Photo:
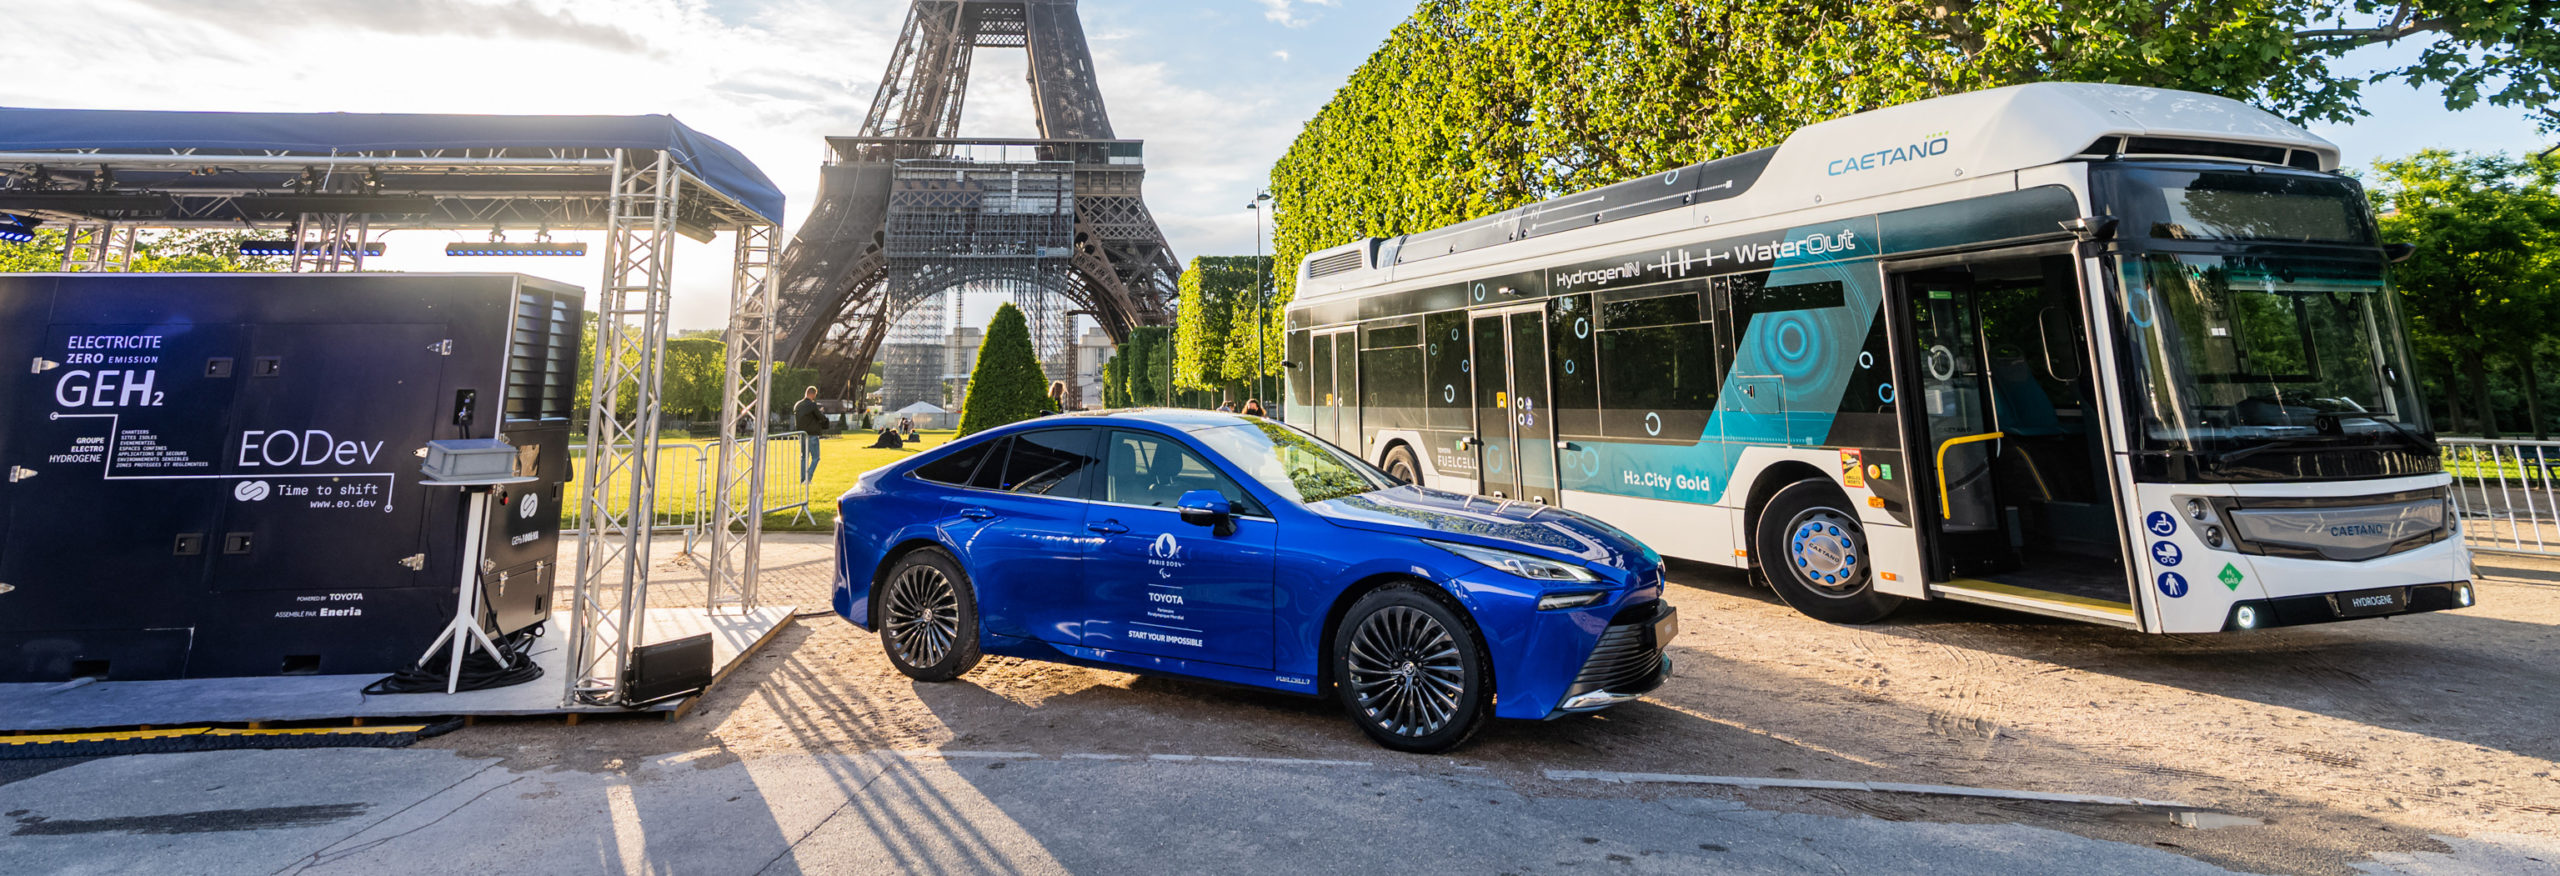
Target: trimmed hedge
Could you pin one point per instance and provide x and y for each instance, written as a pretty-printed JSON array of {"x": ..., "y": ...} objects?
[{"x": 1008, "y": 385}]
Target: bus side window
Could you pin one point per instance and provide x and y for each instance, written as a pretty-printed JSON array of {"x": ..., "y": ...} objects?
[
  {"x": 1391, "y": 375},
  {"x": 1301, "y": 407},
  {"x": 1741, "y": 300},
  {"x": 1573, "y": 332},
  {"x": 1658, "y": 379},
  {"x": 1446, "y": 384}
]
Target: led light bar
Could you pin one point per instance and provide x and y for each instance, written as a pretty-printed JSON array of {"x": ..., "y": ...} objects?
[
  {"x": 515, "y": 249},
  {"x": 16, "y": 230},
  {"x": 285, "y": 248}
]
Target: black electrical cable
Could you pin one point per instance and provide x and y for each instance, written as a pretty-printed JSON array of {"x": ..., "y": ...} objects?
[{"x": 480, "y": 671}]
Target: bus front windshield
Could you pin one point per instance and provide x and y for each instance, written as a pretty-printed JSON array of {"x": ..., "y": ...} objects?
[{"x": 2239, "y": 354}]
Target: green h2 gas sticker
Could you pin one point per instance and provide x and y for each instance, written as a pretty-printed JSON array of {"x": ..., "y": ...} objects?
[{"x": 2230, "y": 576}]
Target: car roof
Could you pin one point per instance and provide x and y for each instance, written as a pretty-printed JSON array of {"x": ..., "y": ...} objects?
[{"x": 1175, "y": 419}]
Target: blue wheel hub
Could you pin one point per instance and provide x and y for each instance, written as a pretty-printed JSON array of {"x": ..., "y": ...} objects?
[{"x": 1824, "y": 549}]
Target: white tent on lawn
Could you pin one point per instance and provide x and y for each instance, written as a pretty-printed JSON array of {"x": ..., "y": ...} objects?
[{"x": 927, "y": 416}]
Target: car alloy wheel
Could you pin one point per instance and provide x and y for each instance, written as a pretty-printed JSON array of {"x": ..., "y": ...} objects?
[
  {"x": 1406, "y": 672},
  {"x": 922, "y": 615}
]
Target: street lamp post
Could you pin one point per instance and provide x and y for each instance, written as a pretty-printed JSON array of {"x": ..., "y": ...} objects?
[{"x": 1261, "y": 309}]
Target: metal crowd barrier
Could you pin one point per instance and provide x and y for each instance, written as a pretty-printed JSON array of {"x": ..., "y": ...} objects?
[
  {"x": 684, "y": 493},
  {"x": 783, "y": 488},
  {"x": 684, "y": 487},
  {"x": 2507, "y": 494}
]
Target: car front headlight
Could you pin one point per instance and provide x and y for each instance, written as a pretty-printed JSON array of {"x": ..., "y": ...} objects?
[{"x": 1533, "y": 568}]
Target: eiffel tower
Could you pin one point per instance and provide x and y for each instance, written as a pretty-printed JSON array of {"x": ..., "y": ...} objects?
[{"x": 910, "y": 214}]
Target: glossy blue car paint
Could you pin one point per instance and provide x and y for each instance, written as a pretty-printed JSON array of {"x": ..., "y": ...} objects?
[{"x": 1067, "y": 579}]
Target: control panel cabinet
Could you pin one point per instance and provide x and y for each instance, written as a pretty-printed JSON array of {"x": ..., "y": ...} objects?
[{"x": 215, "y": 475}]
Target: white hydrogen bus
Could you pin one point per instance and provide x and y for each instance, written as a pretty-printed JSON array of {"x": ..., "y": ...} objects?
[{"x": 2115, "y": 354}]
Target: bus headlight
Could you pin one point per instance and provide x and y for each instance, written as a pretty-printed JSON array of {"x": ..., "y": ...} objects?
[
  {"x": 2212, "y": 535},
  {"x": 2196, "y": 509},
  {"x": 2246, "y": 617},
  {"x": 2462, "y": 595}
]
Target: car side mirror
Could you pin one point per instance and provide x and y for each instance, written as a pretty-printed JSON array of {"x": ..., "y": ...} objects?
[
  {"x": 2399, "y": 252},
  {"x": 1207, "y": 508}
]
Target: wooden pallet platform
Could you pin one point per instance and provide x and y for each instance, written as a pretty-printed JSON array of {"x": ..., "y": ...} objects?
[{"x": 47, "y": 708}]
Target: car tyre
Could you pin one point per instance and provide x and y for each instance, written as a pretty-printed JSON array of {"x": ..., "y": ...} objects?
[
  {"x": 929, "y": 617},
  {"x": 1401, "y": 465},
  {"x": 1814, "y": 553},
  {"x": 1412, "y": 671}
]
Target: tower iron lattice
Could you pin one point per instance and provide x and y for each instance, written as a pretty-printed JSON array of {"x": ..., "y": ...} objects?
[{"x": 912, "y": 216}]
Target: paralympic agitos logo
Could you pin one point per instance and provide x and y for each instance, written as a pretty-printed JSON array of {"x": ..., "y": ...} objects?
[{"x": 1928, "y": 146}]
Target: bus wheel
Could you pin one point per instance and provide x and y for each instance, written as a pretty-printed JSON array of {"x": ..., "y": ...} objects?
[
  {"x": 1814, "y": 554},
  {"x": 1401, "y": 465}
]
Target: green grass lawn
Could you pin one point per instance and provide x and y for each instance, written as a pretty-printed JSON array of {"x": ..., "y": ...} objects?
[{"x": 841, "y": 458}]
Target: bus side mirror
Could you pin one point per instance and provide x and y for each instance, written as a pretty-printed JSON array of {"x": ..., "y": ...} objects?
[
  {"x": 2089, "y": 228},
  {"x": 2399, "y": 252}
]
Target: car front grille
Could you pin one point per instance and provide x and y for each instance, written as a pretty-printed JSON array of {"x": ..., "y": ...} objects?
[{"x": 1627, "y": 659}]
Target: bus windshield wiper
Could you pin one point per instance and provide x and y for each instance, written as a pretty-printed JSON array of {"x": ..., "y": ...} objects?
[
  {"x": 2416, "y": 444},
  {"x": 2398, "y": 433},
  {"x": 2224, "y": 460}
]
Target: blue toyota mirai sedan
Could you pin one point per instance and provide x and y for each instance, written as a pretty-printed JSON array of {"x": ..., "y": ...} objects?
[{"x": 1241, "y": 550}]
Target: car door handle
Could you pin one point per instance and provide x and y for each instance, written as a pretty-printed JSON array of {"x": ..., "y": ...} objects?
[
  {"x": 1107, "y": 527},
  {"x": 977, "y": 514}
]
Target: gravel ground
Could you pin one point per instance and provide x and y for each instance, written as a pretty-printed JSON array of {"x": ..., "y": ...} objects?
[{"x": 2333, "y": 745}]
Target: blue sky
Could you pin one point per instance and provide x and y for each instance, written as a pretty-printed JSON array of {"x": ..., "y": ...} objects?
[{"x": 1217, "y": 87}]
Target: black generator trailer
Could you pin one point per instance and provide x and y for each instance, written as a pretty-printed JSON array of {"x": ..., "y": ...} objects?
[{"x": 217, "y": 475}]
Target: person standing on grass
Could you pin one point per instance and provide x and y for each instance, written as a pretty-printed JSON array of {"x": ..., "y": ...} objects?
[{"x": 811, "y": 420}]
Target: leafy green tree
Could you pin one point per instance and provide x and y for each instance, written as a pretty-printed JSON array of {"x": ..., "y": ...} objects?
[
  {"x": 1215, "y": 322},
  {"x": 2483, "y": 286},
  {"x": 1147, "y": 374},
  {"x": 33, "y": 257},
  {"x": 190, "y": 251},
  {"x": 1476, "y": 106},
  {"x": 1115, "y": 382},
  {"x": 1008, "y": 385},
  {"x": 691, "y": 375}
]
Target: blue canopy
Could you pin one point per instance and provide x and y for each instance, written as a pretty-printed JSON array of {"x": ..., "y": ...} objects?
[{"x": 715, "y": 163}]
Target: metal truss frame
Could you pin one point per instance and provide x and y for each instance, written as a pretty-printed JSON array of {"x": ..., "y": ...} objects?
[
  {"x": 328, "y": 243},
  {"x": 98, "y": 247},
  {"x": 737, "y": 535},
  {"x": 612, "y": 594},
  {"x": 642, "y": 198}
]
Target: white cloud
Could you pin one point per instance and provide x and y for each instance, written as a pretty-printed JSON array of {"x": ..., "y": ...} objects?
[
  {"x": 771, "y": 80},
  {"x": 1286, "y": 13},
  {"x": 1282, "y": 54},
  {"x": 771, "y": 77}
]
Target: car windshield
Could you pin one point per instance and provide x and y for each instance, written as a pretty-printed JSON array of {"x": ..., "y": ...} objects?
[
  {"x": 2237, "y": 351},
  {"x": 1293, "y": 463}
]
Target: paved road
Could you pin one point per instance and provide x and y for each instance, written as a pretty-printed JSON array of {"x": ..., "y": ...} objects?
[
  {"x": 375, "y": 811},
  {"x": 2427, "y": 745},
  {"x": 352, "y": 811}
]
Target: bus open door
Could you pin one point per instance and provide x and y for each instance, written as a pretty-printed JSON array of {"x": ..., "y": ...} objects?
[{"x": 2012, "y": 495}]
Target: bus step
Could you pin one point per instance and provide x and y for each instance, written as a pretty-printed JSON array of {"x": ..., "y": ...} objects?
[{"x": 2034, "y": 601}]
